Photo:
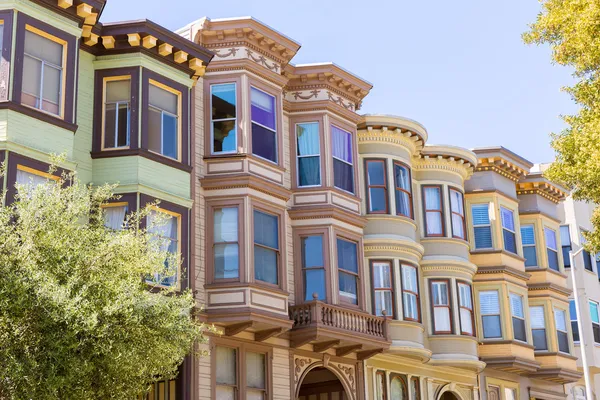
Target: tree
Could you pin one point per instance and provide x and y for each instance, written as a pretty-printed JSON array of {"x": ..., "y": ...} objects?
[
  {"x": 77, "y": 319},
  {"x": 572, "y": 29}
]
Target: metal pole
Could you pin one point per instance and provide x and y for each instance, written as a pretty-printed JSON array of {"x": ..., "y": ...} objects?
[{"x": 586, "y": 374}]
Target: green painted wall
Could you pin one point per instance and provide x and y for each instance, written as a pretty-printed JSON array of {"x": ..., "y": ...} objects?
[{"x": 85, "y": 116}]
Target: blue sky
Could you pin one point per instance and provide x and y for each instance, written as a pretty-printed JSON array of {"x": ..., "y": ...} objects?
[{"x": 458, "y": 67}]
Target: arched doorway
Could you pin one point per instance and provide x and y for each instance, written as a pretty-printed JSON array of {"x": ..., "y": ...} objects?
[
  {"x": 321, "y": 383},
  {"x": 449, "y": 396}
]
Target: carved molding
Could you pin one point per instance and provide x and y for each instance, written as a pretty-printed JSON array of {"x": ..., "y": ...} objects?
[
  {"x": 349, "y": 374},
  {"x": 262, "y": 60},
  {"x": 300, "y": 365},
  {"x": 231, "y": 52},
  {"x": 405, "y": 139},
  {"x": 448, "y": 164}
]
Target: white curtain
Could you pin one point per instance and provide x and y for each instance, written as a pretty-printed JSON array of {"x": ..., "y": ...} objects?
[
  {"x": 398, "y": 389},
  {"x": 226, "y": 373},
  {"x": 442, "y": 319},
  {"x": 381, "y": 389},
  {"x": 510, "y": 394},
  {"x": 308, "y": 139},
  {"x": 30, "y": 181},
  {"x": 536, "y": 315},
  {"x": 456, "y": 204},
  {"x": 410, "y": 306},
  {"x": 381, "y": 275},
  {"x": 255, "y": 370},
  {"x": 342, "y": 144},
  {"x": 165, "y": 232},
  {"x": 433, "y": 202},
  {"x": 409, "y": 278},
  {"x": 402, "y": 182},
  {"x": 466, "y": 322},
  {"x": 226, "y": 225},
  {"x": 114, "y": 217}
]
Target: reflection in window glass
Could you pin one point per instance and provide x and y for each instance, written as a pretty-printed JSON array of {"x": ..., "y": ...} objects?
[
  {"x": 313, "y": 267},
  {"x": 264, "y": 133},
  {"x": 117, "y": 113},
  {"x": 308, "y": 154},
  {"x": 226, "y": 246},
  {"x": 266, "y": 247},
  {"x": 163, "y": 122},
  {"x": 223, "y": 118},
  {"x": 347, "y": 258}
]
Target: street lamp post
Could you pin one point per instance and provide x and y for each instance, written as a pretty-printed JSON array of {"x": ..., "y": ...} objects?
[{"x": 586, "y": 374}]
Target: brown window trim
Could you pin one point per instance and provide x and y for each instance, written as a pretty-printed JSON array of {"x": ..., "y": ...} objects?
[
  {"x": 391, "y": 314},
  {"x": 377, "y": 375},
  {"x": 449, "y": 307},
  {"x": 368, "y": 186},
  {"x": 99, "y": 77},
  {"x": 402, "y": 265},
  {"x": 299, "y": 234},
  {"x": 69, "y": 67},
  {"x": 471, "y": 310},
  {"x": 147, "y": 76},
  {"x": 410, "y": 197},
  {"x": 185, "y": 233},
  {"x": 272, "y": 210},
  {"x": 440, "y": 210},
  {"x": 305, "y": 119},
  {"x": 463, "y": 217},
  {"x": 360, "y": 301},
  {"x": 241, "y": 349},
  {"x": 7, "y": 20}
]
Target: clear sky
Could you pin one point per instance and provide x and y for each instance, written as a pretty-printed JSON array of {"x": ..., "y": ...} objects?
[{"x": 458, "y": 67}]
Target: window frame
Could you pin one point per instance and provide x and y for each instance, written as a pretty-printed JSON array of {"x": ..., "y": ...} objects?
[
  {"x": 534, "y": 245},
  {"x": 460, "y": 282},
  {"x": 259, "y": 207},
  {"x": 434, "y": 330},
  {"x": 381, "y": 396},
  {"x": 211, "y": 121},
  {"x": 516, "y": 252},
  {"x": 513, "y": 316},
  {"x": 352, "y": 134},
  {"x": 550, "y": 249},
  {"x": 566, "y": 257},
  {"x": 357, "y": 240},
  {"x": 403, "y": 380},
  {"x": 368, "y": 186},
  {"x": 297, "y": 156},
  {"x": 105, "y": 80},
  {"x": 573, "y": 319},
  {"x": 179, "y": 116},
  {"x": 499, "y": 315},
  {"x": 403, "y": 291},
  {"x": 178, "y": 286},
  {"x": 440, "y": 211},
  {"x": 463, "y": 217},
  {"x": 595, "y": 325},
  {"x": 298, "y": 234},
  {"x": 545, "y": 328},
  {"x": 391, "y": 289},
  {"x": 489, "y": 226},
  {"x": 116, "y": 204},
  {"x": 214, "y": 243},
  {"x": 276, "y": 101},
  {"x": 325, "y": 268},
  {"x": 565, "y": 332},
  {"x": 397, "y": 188},
  {"x": 6, "y": 19}
]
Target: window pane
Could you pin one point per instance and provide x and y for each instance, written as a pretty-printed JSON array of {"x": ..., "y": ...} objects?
[
  {"x": 223, "y": 99},
  {"x": 110, "y": 120},
  {"x": 403, "y": 205},
  {"x": 530, "y": 256},
  {"x": 226, "y": 366},
  {"x": 376, "y": 172},
  {"x": 377, "y": 200},
  {"x": 226, "y": 261},
  {"x": 559, "y": 318},
  {"x": 440, "y": 293},
  {"x": 224, "y": 136},
  {"x": 593, "y": 312},
  {"x": 539, "y": 339},
  {"x": 381, "y": 389},
  {"x": 434, "y": 223},
  {"x": 342, "y": 144},
  {"x": 343, "y": 176},
  {"x": 382, "y": 276},
  {"x": 226, "y": 224},
  {"x": 488, "y": 302},
  {"x": 456, "y": 202},
  {"x": 30, "y": 181},
  {"x": 347, "y": 255},
  {"x": 348, "y": 287},
  {"x": 466, "y": 321},
  {"x": 409, "y": 278},
  {"x": 464, "y": 293},
  {"x": 266, "y": 231},
  {"x": 265, "y": 265},
  {"x": 519, "y": 329},
  {"x": 314, "y": 282},
  {"x": 398, "y": 389},
  {"x": 163, "y": 99},
  {"x": 169, "y": 133},
  {"x": 383, "y": 301},
  {"x": 596, "y": 331},
  {"x": 552, "y": 259},
  {"x": 565, "y": 235},
  {"x": 411, "y": 308},
  {"x": 516, "y": 305},
  {"x": 264, "y": 142},
  {"x": 563, "y": 342},
  {"x": 51, "y": 89},
  {"x": 225, "y": 393},
  {"x": 507, "y": 218},
  {"x": 123, "y": 125},
  {"x": 575, "y": 330},
  {"x": 312, "y": 251},
  {"x": 536, "y": 313},
  {"x": 255, "y": 370},
  {"x": 491, "y": 326},
  {"x": 32, "y": 74},
  {"x": 43, "y": 48},
  {"x": 118, "y": 91},
  {"x": 432, "y": 198},
  {"x": 510, "y": 243},
  {"x": 442, "y": 319},
  {"x": 309, "y": 171},
  {"x": 458, "y": 226},
  {"x": 550, "y": 238},
  {"x": 114, "y": 217},
  {"x": 307, "y": 135},
  {"x": 262, "y": 108},
  {"x": 527, "y": 235},
  {"x": 483, "y": 237},
  {"x": 154, "y": 130},
  {"x": 402, "y": 177},
  {"x": 480, "y": 214}
]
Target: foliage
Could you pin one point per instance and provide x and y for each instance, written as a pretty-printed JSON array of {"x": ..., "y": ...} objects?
[
  {"x": 77, "y": 321},
  {"x": 572, "y": 29}
]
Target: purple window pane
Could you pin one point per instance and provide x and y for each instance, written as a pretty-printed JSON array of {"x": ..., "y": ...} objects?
[
  {"x": 262, "y": 108},
  {"x": 264, "y": 143},
  {"x": 343, "y": 176},
  {"x": 342, "y": 144}
]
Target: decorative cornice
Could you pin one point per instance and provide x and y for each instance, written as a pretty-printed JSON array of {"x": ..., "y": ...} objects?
[
  {"x": 234, "y": 181},
  {"x": 439, "y": 162},
  {"x": 399, "y": 137},
  {"x": 327, "y": 211},
  {"x": 503, "y": 269},
  {"x": 394, "y": 246},
  {"x": 561, "y": 290},
  {"x": 542, "y": 188},
  {"x": 502, "y": 167},
  {"x": 449, "y": 265}
]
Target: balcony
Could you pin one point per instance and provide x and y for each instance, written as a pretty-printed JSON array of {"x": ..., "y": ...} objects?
[{"x": 325, "y": 326}]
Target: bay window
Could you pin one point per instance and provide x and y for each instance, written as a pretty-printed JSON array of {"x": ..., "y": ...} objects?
[
  {"x": 264, "y": 127},
  {"x": 226, "y": 373},
  {"x": 440, "y": 300},
  {"x": 308, "y": 154},
  {"x": 223, "y": 120},
  {"x": 529, "y": 248},
  {"x": 226, "y": 243},
  {"x": 114, "y": 215},
  {"x": 434, "y": 214},
  {"x": 117, "y": 112},
  {"x": 482, "y": 227},
  {"x": 237, "y": 364},
  {"x": 398, "y": 388},
  {"x": 343, "y": 155},
  {"x": 163, "y": 227},
  {"x": 256, "y": 376},
  {"x": 595, "y": 321},
  {"x": 574, "y": 324},
  {"x": 164, "y": 124},
  {"x": 266, "y": 247},
  {"x": 560, "y": 321},
  {"x": 313, "y": 267},
  {"x": 508, "y": 230},
  {"x": 347, "y": 263},
  {"x": 551, "y": 248},
  {"x": 538, "y": 327},
  {"x": 43, "y": 71},
  {"x": 383, "y": 292},
  {"x": 518, "y": 317},
  {"x": 489, "y": 307},
  {"x": 377, "y": 193},
  {"x": 410, "y": 293},
  {"x": 403, "y": 185},
  {"x": 565, "y": 241},
  {"x": 458, "y": 214},
  {"x": 465, "y": 304}
]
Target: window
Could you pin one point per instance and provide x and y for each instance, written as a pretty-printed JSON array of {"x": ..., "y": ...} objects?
[
  {"x": 434, "y": 216},
  {"x": 43, "y": 71},
  {"x": 163, "y": 226},
  {"x": 117, "y": 112},
  {"x": 518, "y": 317},
  {"x": 226, "y": 374},
  {"x": 223, "y": 120},
  {"x": 595, "y": 321},
  {"x": 587, "y": 258},
  {"x": 440, "y": 300},
  {"x": 226, "y": 243},
  {"x": 565, "y": 241},
  {"x": 415, "y": 388},
  {"x": 410, "y": 293},
  {"x": 560, "y": 321},
  {"x": 343, "y": 154},
  {"x": 573, "y": 315},
  {"x": 508, "y": 230},
  {"x": 266, "y": 247},
  {"x": 313, "y": 267},
  {"x": 114, "y": 215},
  {"x": 510, "y": 394},
  {"x": 308, "y": 151},
  {"x": 31, "y": 178},
  {"x": 382, "y": 288},
  {"x": 264, "y": 130},
  {"x": 465, "y": 304},
  {"x": 538, "y": 327},
  {"x": 256, "y": 376},
  {"x": 551, "y": 248},
  {"x": 489, "y": 305},
  {"x": 377, "y": 197},
  {"x": 457, "y": 207},
  {"x": 403, "y": 190},
  {"x": 529, "y": 250},
  {"x": 398, "y": 388},
  {"x": 347, "y": 259},
  {"x": 380, "y": 385},
  {"x": 482, "y": 226},
  {"x": 164, "y": 122}
]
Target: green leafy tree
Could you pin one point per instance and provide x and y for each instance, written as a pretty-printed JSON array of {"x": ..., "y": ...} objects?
[
  {"x": 572, "y": 29},
  {"x": 77, "y": 319}
]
